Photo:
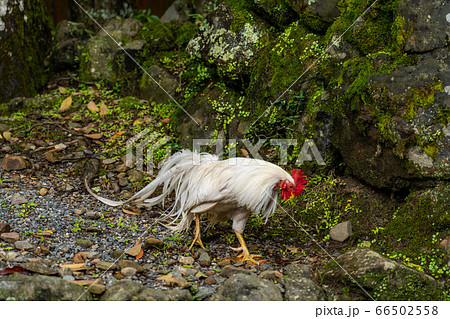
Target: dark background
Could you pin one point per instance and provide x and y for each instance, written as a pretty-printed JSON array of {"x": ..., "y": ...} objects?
[{"x": 59, "y": 9}]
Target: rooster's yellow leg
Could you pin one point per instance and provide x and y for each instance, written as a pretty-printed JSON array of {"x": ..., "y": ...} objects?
[
  {"x": 197, "y": 238},
  {"x": 245, "y": 254}
]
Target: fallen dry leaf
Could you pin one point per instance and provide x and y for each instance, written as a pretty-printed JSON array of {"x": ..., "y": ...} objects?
[
  {"x": 76, "y": 267},
  {"x": 66, "y": 104},
  {"x": 80, "y": 257},
  {"x": 117, "y": 135},
  {"x": 7, "y": 271},
  {"x": 62, "y": 89},
  {"x": 165, "y": 277},
  {"x": 139, "y": 256},
  {"x": 134, "y": 251},
  {"x": 244, "y": 152},
  {"x": 136, "y": 209},
  {"x": 7, "y": 135},
  {"x": 103, "y": 109},
  {"x": 92, "y": 107},
  {"x": 94, "y": 136},
  {"x": 129, "y": 212},
  {"x": 49, "y": 157}
]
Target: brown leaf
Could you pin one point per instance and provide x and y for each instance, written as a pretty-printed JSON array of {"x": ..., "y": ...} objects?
[
  {"x": 94, "y": 136},
  {"x": 62, "y": 89},
  {"x": 129, "y": 212},
  {"x": 136, "y": 210},
  {"x": 92, "y": 107},
  {"x": 7, "y": 136},
  {"x": 66, "y": 104},
  {"x": 49, "y": 157},
  {"x": 134, "y": 251},
  {"x": 244, "y": 152},
  {"x": 139, "y": 256},
  {"x": 76, "y": 267},
  {"x": 80, "y": 257},
  {"x": 7, "y": 271},
  {"x": 117, "y": 135},
  {"x": 103, "y": 109}
]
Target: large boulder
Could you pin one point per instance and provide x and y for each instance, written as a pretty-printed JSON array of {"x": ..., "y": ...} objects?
[
  {"x": 229, "y": 39},
  {"x": 298, "y": 285},
  {"x": 103, "y": 56},
  {"x": 43, "y": 288},
  {"x": 69, "y": 42},
  {"x": 151, "y": 90},
  {"x": 378, "y": 277},
  {"x": 127, "y": 290},
  {"x": 398, "y": 135},
  {"x": 25, "y": 37},
  {"x": 216, "y": 112},
  {"x": 242, "y": 287}
]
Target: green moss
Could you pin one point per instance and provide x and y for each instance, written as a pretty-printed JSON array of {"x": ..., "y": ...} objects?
[
  {"x": 185, "y": 33},
  {"x": 283, "y": 60},
  {"x": 415, "y": 230},
  {"x": 159, "y": 37},
  {"x": 371, "y": 34},
  {"x": 443, "y": 116},
  {"x": 431, "y": 150},
  {"x": 23, "y": 50},
  {"x": 421, "y": 97},
  {"x": 314, "y": 23},
  {"x": 401, "y": 284}
]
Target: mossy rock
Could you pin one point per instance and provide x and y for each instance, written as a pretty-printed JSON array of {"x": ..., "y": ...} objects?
[
  {"x": 159, "y": 37},
  {"x": 380, "y": 278},
  {"x": 43, "y": 288},
  {"x": 216, "y": 110},
  {"x": 372, "y": 32},
  {"x": 229, "y": 39},
  {"x": 392, "y": 127},
  {"x": 425, "y": 213}
]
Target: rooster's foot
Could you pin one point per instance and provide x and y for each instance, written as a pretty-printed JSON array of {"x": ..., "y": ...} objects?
[
  {"x": 197, "y": 238},
  {"x": 245, "y": 256}
]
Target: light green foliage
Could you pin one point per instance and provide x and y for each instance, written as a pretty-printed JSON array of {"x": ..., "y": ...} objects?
[{"x": 321, "y": 205}]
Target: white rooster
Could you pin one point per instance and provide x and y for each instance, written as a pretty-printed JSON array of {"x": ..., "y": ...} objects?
[{"x": 232, "y": 188}]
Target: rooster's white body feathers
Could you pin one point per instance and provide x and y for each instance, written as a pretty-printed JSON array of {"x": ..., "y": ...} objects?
[{"x": 232, "y": 188}]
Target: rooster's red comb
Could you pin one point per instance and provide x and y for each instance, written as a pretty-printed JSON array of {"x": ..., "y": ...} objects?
[{"x": 300, "y": 181}]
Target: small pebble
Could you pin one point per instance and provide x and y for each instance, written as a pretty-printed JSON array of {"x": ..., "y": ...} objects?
[
  {"x": 85, "y": 243},
  {"x": 23, "y": 244},
  {"x": 186, "y": 260},
  {"x": 9, "y": 237},
  {"x": 97, "y": 289},
  {"x": 128, "y": 271},
  {"x": 210, "y": 281}
]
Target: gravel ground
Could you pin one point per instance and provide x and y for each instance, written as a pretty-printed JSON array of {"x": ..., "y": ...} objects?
[{"x": 57, "y": 212}]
